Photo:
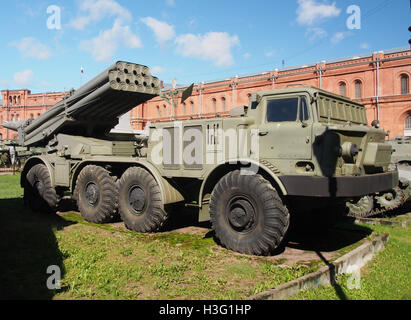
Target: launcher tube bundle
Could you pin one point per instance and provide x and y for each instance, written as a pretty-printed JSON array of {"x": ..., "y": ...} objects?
[{"x": 93, "y": 110}]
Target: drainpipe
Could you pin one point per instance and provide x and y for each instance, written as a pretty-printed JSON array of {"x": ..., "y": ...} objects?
[{"x": 377, "y": 89}]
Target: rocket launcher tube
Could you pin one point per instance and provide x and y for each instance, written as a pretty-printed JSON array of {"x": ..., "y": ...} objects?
[{"x": 116, "y": 90}]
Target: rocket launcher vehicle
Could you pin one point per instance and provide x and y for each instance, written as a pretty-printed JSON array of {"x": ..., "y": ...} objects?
[{"x": 92, "y": 110}]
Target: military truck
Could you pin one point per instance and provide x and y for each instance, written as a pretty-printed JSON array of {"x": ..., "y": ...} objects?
[
  {"x": 288, "y": 149},
  {"x": 401, "y": 150},
  {"x": 383, "y": 202}
]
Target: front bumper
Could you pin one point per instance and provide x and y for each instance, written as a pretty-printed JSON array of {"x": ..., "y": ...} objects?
[{"x": 339, "y": 186}]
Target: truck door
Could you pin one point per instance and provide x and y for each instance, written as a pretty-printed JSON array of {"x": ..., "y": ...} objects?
[{"x": 286, "y": 131}]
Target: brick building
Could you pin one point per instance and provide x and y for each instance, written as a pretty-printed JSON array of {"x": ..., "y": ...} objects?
[
  {"x": 380, "y": 81},
  {"x": 22, "y": 105}
]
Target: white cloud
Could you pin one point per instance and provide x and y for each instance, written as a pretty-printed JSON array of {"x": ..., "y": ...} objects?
[
  {"x": 269, "y": 53},
  {"x": 365, "y": 46},
  {"x": 170, "y": 3},
  {"x": 314, "y": 34},
  {"x": 246, "y": 55},
  {"x": 339, "y": 36},
  {"x": 162, "y": 31},
  {"x": 32, "y": 48},
  {"x": 157, "y": 69},
  {"x": 309, "y": 12},
  {"x": 212, "y": 46},
  {"x": 97, "y": 10},
  {"x": 24, "y": 78},
  {"x": 104, "y": 46}
]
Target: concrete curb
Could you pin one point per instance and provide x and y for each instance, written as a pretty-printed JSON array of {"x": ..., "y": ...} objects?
[
  {"x": 349, "y": 263},
  {"x": 374, "y": 221}
]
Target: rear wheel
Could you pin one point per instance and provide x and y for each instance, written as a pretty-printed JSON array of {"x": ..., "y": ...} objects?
[
  {"x": 140, "y": 203},
  {"x": 247, "y": 214},
  {"x": 39, "y": 193},
  {"x": 96, "y": 194}
]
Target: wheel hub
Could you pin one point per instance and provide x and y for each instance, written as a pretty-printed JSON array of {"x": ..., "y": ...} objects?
[
  {"x": 92, "y": 194},
  {"x": 241, "y": 214},
  {"x": 137, "y": 199}
]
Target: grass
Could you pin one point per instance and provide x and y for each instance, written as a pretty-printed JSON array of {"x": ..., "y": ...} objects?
[
  {"x": 386, "y": 277},
  {"x": 108, "y": 262}
]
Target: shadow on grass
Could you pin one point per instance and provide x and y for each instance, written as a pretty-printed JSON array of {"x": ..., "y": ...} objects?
[
  {"x": 28, "y": 246},
  {"x": 320, "y": 232}
]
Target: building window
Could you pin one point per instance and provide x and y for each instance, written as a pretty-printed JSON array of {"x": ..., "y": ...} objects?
[
  {"x": 1, "y": 137},
  {"x": 184, "y": 108},
  {"x": 214, "y": 105},
  {"x": 192, "y": 107},
  {"x": 19, "y": 99},
  {"x": 408, "y": 123},
  {"x": 31, "y": 116},
  {"x": 158, "y": 112},
  {"x": 405, "y": 80},
  {"x": 223, "y": 104},
  {"x": 165, "y": 110},
  {"x": 358, "y": 89},
  {"x": 343, "y": 89}
]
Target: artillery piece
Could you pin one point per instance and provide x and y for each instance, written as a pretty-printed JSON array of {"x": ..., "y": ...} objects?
[{"x": 288, "y": 149}]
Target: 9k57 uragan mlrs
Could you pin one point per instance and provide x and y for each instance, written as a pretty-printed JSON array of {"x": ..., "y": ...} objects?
[{"x": 293, "y": 148}]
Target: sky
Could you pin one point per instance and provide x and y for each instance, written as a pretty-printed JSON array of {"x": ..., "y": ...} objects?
[{"x": 45, "y": 44}]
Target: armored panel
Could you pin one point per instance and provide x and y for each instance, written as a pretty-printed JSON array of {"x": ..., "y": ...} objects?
[{"x": 193, "y": 147}]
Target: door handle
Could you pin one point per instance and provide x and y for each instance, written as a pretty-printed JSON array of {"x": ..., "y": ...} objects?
[{"x": 262, "y": 133}]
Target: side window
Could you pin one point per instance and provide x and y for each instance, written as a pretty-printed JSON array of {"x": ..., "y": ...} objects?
[
  {"x": 282, "y": 110},
  {"x": 304, "y": 113}
]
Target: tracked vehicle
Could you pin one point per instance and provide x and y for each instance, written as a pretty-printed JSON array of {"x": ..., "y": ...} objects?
[{"x": 288, "y": 149}]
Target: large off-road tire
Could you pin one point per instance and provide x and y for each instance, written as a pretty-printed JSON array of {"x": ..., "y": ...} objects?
[
  {"x": 39, "y": 193},
  {"x": 140, "y": 202},
  {"x": 96, "y": 194},
  {"x": 247, "y": 214}
]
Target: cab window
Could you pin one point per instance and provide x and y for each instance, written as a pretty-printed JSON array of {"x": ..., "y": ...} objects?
[{"x": 282, "y": 110}]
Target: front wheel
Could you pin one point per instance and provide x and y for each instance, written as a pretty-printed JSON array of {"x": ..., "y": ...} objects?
[{"x": 247, "y": 214}]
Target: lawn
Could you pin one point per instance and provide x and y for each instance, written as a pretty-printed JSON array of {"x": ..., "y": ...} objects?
[{"x": 110, "y": 262}]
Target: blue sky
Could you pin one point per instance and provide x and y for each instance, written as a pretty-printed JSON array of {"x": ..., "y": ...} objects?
[{"x": 192, "y": 41}]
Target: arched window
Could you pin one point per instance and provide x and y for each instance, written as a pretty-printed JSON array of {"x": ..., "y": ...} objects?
[
  {"x": 192, "y": 107},
  {"x": 18, "y": 117},
  {"x": 31, "y": 116},
  {"x": 358, "y": 89},
  {"x": 223, "y": 104},
  {"x": 1, "y": 137},
  {"x": 19, "y": 99},
  {"x": 11, "y": 101},
  {"x": 343, "y": 89},
  {"x": 184, "y": 108},
  {"x": 165, "y": 110},
  {"x": 408, "y": 123},
  {"x": 214, "y": 105},
  {"x": 158, "y": 112},
  {"x": 405, "y": 84}
]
